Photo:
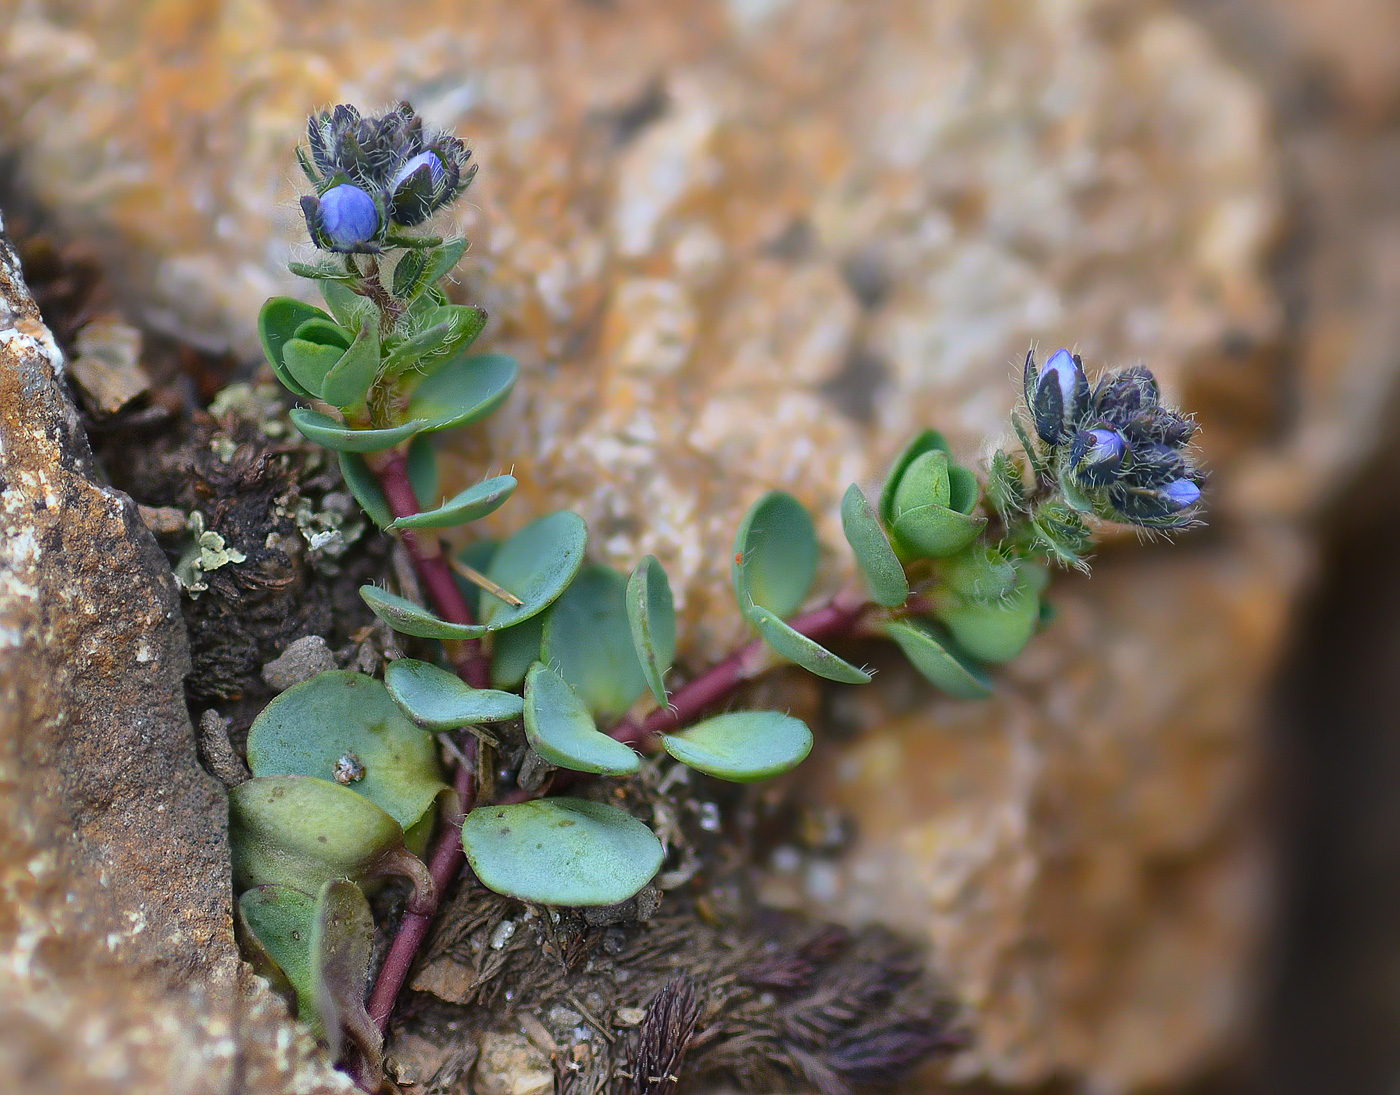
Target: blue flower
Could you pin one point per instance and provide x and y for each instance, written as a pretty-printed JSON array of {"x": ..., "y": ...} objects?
[
  {"x": 1182, "y": 493},
  {"x": 1058, "y": 396},
  {"x": 1097, "y": 454},
  {"x": 344, "y": 218}
]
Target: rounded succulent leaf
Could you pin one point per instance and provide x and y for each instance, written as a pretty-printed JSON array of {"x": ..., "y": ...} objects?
[
  {"x": 651, "y": 615},
  {"x": 933, "y": 654},
  {"x": 807, "y": 653},
  {"x": 933, "y": 507},
  {"x": 347, "y": 306},
  {"x": 342, "y": 944},
  {"x": 277, "y": 325},
  {"x": 560, "y": 729},
  {"x": 324, "y": 332},
  {"x": 471, "y": 505},
  {"x": 349, "y": 380},
  {"x": 438, "y": 700},
  {"x": 443, "y": 335},
  {"x": 536, "y": 564},
  {"x": 412, "y": 619},
  {"x": 775, "y": 555},
  {"x": 561, "y": 851},
  {"x": 309, "y": 362},
  {"x": 302, "y": 832},
  {"x": 325, "y": 430},
  {"x": 993, "y": 631},
  {"x": 928, "y": 441},
  {"x": 588, "y": 639},
  {"x": 514, "y": 650},
  {"x": 884, "y": 573},
  {"x": 463, "y": 391},
  {"x": 743, "y": 746},
  {"x": 422, "y": 474},
  {"x": 274, "y": 924},
  {"x": 347, "y": 722}
]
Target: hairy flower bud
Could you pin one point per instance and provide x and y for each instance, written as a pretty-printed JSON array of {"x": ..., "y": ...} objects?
[
  {"x": 344, "y": 218},
  {"x": 1058, "y": 396},
  {"x": 1182, "y": 493},
  {"x": 1097, "y": 454}
]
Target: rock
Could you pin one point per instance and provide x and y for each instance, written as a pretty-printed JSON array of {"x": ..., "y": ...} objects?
[
  {"x": 725, "y": 268},
  {"x": 510, "y": 1064},
  {"x": 301, "y": 661},
  {"x": 118, "y": 967},
  {"x": 107, "y": 366}
]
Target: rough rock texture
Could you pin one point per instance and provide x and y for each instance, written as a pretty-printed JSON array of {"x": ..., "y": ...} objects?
[
  {"x": 747, "y": 244},
  {"x": 118, "y": 971}
]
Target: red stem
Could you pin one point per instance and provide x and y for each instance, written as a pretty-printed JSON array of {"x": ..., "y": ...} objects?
[
  {"x": 432, "y": 567},
  {"x": 690, "y": 700},
  {"x": 447, "y": 858}
]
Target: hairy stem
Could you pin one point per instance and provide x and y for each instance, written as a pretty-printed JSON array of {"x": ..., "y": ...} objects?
[{"x": 836, "y": 618}]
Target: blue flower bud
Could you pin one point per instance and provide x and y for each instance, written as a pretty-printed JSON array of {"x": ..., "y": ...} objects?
[
  {"x": 1097, "y": 454},
  {"x": 345, "y": 218},
  {"x": 1182, "y": 493},
  {"x": 436, "y": 172},
  {"x": 1059, "y": 396}
]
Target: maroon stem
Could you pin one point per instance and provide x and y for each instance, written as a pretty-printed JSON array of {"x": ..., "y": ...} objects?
[
  {"x": 444, "y": 866},
  {"x": 445, "y": 862},
  {"x": 433, "y": 571},
  {"x": 688, "y": 702}
]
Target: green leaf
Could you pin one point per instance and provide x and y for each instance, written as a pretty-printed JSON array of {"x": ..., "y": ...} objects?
[
  {"x": 561, "y": 851},
  {"x": 775, "y": 553},
  {"x": 347, "y": 384},
  {"x": 325, "y": 430},
  {"x": 471, "y": 505},
  {"x": 536, "y": 564},
  {"x": 311, "y": 727},
  {"x": 443, "y": 258},
  {"x": 423, "y": 470},
  {"x": 994, "y": 631},
  {"x": 463, "y": 391},
  {"x": 810, "y": 655},
  {"x": 871, "y": 547},
  {"x": 933, "y": 507},
  {"x": 309, "y": 362},
  {"x": 560, "y": 729},
  {"x": 438, "y": 700},
  {"x": 365, "y": 487},
  {"x": 450, "y": 330},
  {"x": 322, "y": 331},
  {"x": 275, "y": 928},
  {"x": 345, "y": 304},
  {"x": 933, "y": 654},
  {"x": 342, "y": 943},
  {"x": 422, "y": 473},
  {"x": 651, "y": 615},
  {"x": 514, "y": 650},
  {"x": 928, "y": 441},
  {"x": 478, "y": 555},
  {"x": 404, "y": 616},
  {"x": 588, "y": 640},
  {"x": 320, "y": 271},
  {"x": 744, "y": 746},
  {"x": 277, "y": 324},
  {"x": 408, "y": 275},
  {"x": 302, "y": 832}
]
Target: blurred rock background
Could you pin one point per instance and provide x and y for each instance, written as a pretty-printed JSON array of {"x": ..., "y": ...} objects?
[{"x": 758, "y": 243}]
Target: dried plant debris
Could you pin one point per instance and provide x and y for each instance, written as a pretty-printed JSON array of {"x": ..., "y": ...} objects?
[{"x": 773, "y": 1003}]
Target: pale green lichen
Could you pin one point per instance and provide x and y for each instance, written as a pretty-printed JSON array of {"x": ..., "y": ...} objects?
[{"x": 207, "y": 552}]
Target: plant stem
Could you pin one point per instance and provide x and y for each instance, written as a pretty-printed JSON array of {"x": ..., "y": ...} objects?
[
  {"x": 432, "y": 566},
  {"x": 444, "y": 866},
  {"x": 447, "y": 858},
  {"x": 837, "y": 617}
]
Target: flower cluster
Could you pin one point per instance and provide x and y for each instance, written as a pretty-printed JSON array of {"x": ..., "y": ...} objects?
[
  {"x": 372, "y": 174},
  {"x": 1116, "y": 450}
]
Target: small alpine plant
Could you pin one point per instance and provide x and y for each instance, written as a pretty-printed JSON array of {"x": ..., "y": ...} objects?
[{"x": 524, "y": 639}]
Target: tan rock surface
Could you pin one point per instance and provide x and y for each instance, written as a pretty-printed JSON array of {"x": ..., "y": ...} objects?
[
  {"x": 118, "y": 969},
  {"x": 739, "y": 245}
]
